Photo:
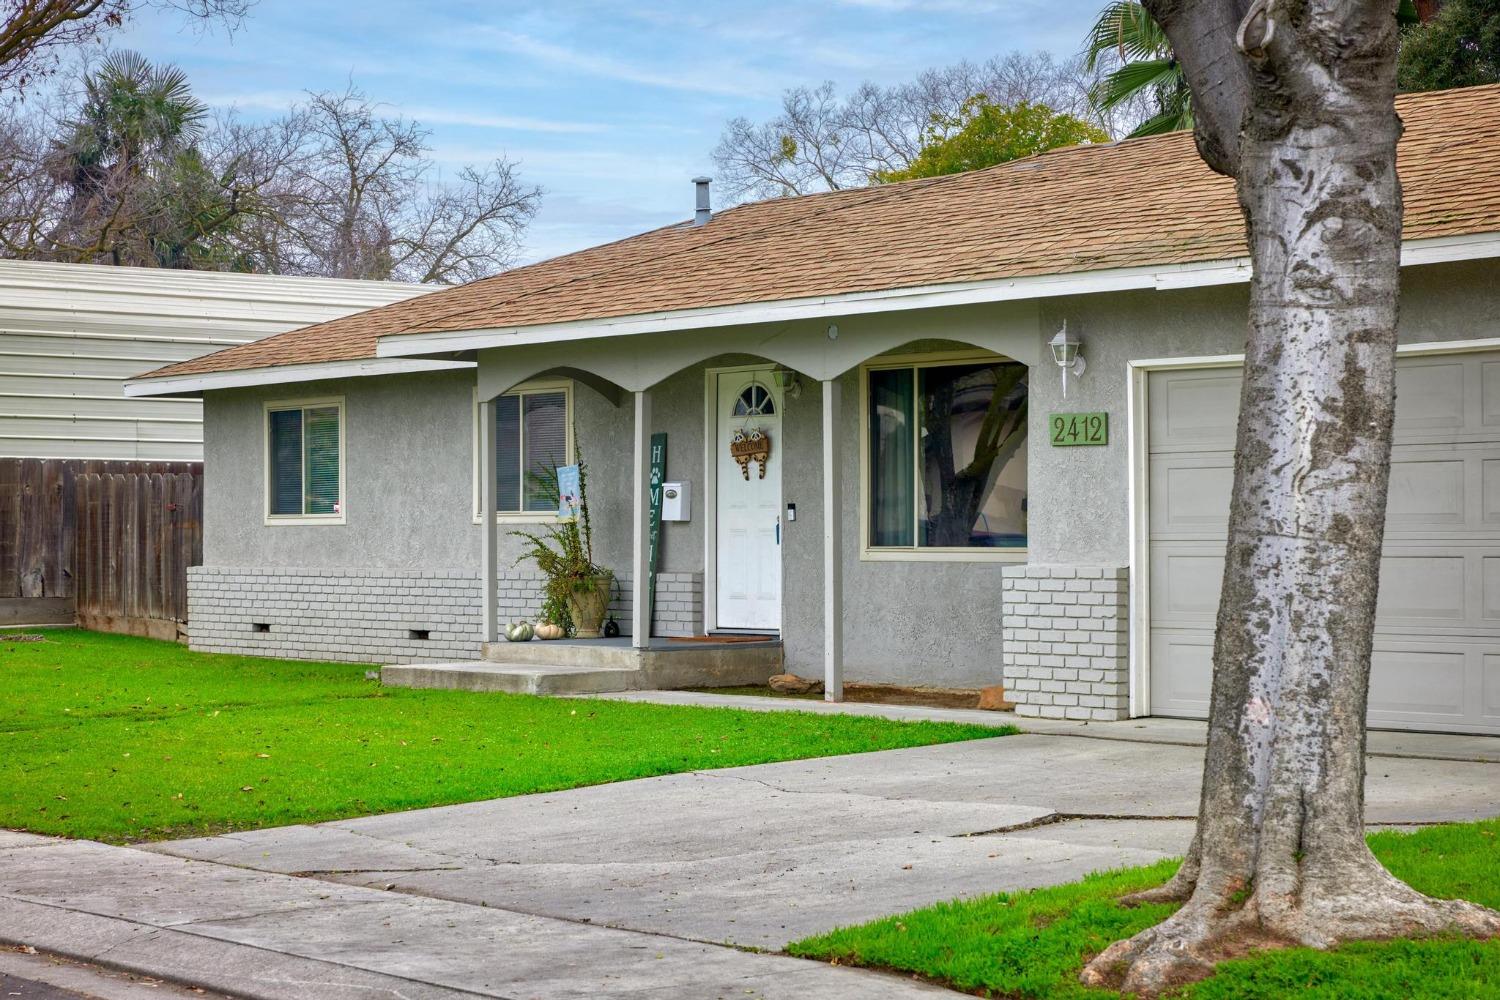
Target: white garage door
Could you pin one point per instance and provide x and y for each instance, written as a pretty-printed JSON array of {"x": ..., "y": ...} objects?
[{"x": 1437, "y": 638}]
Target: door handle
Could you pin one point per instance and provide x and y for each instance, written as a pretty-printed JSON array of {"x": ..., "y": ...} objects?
[{"x": 778, "y": 529}]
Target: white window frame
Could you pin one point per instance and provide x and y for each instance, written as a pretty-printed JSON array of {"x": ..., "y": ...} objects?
[
  {"x": 565, "y": 386},
  {"x": 277, "y": 405},
  {"x": 916, "y": 553}
]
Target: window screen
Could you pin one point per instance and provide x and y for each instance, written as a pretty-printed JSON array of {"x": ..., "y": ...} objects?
[
  {"x": 304, "y": 478},
  {"x": 531, "y": 441}
]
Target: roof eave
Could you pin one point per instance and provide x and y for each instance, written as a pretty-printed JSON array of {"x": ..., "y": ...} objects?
[
  {"x": 416, "y": 352},
  {"x": 197, "y": 384}
]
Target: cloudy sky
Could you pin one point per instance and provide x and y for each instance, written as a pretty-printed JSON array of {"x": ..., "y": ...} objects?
[{"x": 610, "y": 107}]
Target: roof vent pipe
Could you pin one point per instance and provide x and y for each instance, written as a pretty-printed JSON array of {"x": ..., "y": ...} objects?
[{"x": 703, "y": 213}]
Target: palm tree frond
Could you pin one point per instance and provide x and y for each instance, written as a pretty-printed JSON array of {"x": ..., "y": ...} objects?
[
  {"x": 1132, "y": 78},
  {"x": 1124, "y": 31},
  {"x": 1171, "y": 120}
]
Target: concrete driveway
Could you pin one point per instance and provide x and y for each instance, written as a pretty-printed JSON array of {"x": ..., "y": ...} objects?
[
  {"x": 631, "y": 889},
  {"x": 761, "y": 856}
]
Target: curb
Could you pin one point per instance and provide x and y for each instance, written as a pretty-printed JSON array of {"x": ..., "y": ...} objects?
[{"x": 193, "y": 960}]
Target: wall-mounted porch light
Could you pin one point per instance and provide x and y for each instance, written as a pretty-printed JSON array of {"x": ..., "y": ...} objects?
[
  {"x": 1067, "y": 351},
  {"x": 788, "y": 382}
]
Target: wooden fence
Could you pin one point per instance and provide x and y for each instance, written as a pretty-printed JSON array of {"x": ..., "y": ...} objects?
[{"x": 108, "y": 541}]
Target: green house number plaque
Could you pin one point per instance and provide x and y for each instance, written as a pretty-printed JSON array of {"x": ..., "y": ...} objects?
[{"x": 1072, "y": 429}]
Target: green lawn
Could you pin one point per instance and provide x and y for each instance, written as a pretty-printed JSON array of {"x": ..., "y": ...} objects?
[
  {"x": 1033, "y": 944},
  {"x": 121, "y": 739}
]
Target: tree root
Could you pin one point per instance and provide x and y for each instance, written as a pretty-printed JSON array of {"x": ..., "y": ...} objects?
[
  {"x": 1177, "y": 889},
  {"x": 1209, "y": 929}
]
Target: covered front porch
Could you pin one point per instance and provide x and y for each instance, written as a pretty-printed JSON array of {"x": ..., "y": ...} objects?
[{"x": 805, "y": 381}]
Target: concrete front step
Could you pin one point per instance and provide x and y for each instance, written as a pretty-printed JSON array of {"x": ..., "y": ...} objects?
[
  {"x": 618, "y": 654},
  {"x": 515, "y": 678},
  {"x": 596, "y": 667},
  {"x": 663, "y": 664}
]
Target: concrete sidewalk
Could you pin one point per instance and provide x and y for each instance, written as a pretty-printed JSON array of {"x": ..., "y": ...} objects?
[
  {"x": 278, "y": 937},
  {"x": 1187, "y": 732},
  {"x": 634, "y": 889}
]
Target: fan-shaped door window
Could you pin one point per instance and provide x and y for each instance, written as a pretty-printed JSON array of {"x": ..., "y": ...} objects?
[{"x": 754, "y": 400}]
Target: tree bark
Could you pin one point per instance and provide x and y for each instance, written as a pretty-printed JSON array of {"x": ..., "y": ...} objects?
[{"x": 1279, "y": 856}]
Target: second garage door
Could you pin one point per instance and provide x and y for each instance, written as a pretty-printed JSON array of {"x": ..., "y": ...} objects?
[{"x": 1436, "y": 664}]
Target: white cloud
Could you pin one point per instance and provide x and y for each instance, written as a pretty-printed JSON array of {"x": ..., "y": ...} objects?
[
  {"x": 258, "y": 100},
  {"x": 723, "y": 80},
  {"x": 439, "y": 116},
  {"x": 280, "y": 100}
]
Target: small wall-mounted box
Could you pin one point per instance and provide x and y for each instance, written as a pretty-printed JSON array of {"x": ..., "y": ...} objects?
[{"x": 677, "y": 501}]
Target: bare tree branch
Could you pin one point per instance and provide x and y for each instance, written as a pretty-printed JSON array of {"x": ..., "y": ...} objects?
[
  {"x": 819, "y": 142},
  {"x": 34, "y": 32},
  {"x": 334, "y": 188}
]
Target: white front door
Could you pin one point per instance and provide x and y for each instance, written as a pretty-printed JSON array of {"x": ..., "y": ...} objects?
[{"x": 747, "y": 500}]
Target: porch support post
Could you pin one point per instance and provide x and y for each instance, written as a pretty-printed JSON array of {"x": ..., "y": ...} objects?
[
  {"x": 489, "y": 530},
  {"x": 833, "y": 545},
  {"x": 640, "y": 610}
]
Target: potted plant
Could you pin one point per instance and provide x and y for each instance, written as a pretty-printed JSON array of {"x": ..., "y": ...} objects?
[{"x": 577, "y": 588}]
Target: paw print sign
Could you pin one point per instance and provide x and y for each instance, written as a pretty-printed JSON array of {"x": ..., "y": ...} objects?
[{"x": 752, "y": 445}]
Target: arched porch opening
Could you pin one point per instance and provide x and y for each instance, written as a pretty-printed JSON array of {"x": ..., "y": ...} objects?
[{"x": 646, "y": 374}]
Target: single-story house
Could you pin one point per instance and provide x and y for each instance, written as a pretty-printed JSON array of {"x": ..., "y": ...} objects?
[
  {"x": 941, "y": 503},
  {"x": 71, "y": 335}
]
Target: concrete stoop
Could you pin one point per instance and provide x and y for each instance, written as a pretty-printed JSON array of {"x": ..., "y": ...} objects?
[{"x": 595, "y": 667}]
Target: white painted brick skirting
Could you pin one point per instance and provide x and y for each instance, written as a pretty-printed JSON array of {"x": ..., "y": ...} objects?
[
  {"x": 679, "y": 604},
  {"x": 377, "y": 616},
  {"x": 1065, "y": 641}
]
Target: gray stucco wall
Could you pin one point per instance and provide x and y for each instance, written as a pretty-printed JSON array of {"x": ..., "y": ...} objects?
[
  {"x": 1078, "y": 508},
  {"x": 410, "y": 459},
  {"x": 408, "y": 478}
]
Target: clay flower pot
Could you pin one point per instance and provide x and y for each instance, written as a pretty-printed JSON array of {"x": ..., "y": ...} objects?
[{"x": 588, "y": 607}]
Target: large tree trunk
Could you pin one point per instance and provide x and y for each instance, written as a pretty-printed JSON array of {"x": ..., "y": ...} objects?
[{"x": 1279, "y": 857}]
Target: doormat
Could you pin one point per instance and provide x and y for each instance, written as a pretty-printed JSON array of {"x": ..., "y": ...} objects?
[{"x": 721, "y": 638}]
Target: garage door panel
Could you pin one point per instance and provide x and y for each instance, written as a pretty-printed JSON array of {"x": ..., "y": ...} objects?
[
  {"x": 1424, "y": 493},
  {"x": 1489, "y": 605},
  {"x": 1489, "y": 393},
  {"x": 1417, "y": 685},
  {"x": 1188, "y": 412},
  {"x": 1410, "y": 688},
  {"x": 1489, "y": 687},
  {"x": 1436, "y": 659},
  {"x": 1185, "y": 582},
  {"x": 1181, "y": 672},
  {"x": 1430, "y": 395},
  {"x": 1417, "y": 588},
  {"x": 1490, "y": 486},
  {"x": 1196, "y": 496}
]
